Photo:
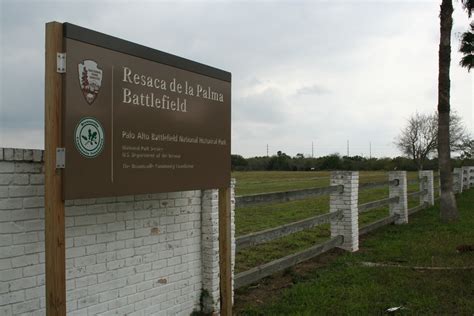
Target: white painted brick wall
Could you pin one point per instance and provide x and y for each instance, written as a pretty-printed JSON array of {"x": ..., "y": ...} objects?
[{"x": 136, "y": 255}]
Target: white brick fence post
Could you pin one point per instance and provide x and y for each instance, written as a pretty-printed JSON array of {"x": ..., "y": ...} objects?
[
  {"x": 457, "y": 180},
  {"x": 470, "y": 177},
  {"x": 210, "y": 250},
  {"x": 465, "y": 178},
  {"x": 399, "y": 208},
  {"x": 426, "y": 183},
  {"x": 210, "y": 247},
  {"x": 232, "y": 236},
  {"x": 346, "y": 201}
]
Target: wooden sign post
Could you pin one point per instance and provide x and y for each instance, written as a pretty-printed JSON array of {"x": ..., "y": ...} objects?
[
  {"x": 225, "y": 250},
  {"x": 55, "y": 254}
]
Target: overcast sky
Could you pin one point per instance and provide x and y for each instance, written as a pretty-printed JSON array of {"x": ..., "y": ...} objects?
[{"x": 302, "y": 71}]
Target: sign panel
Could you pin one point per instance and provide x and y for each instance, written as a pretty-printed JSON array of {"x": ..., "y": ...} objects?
[{"x": 139, "y": 121}]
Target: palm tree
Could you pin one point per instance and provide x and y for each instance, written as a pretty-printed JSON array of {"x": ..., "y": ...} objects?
[
  {"x": 448, "y": 207},
  {"x": 467, "y": 39}
]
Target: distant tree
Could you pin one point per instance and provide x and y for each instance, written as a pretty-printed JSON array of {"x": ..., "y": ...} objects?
[
  {"x": 419, "y": 138},
  {"x": 279, "y": 162},
  {"x": 258, "y": 163},
  {"x": 353, "y": 162},
  {"x": 331, "y": 162},
  {"x": 238, "y": 162},
  {"x": 403, "y": 163},
  {"x": 460, "y": 138},
  {"x": 298, "y": 163},
  {"x": 468, "y": 149}
]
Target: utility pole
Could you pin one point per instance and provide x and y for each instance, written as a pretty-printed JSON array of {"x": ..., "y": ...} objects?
[
  {"x": 347, "y": 148},
  {"x": 370, "y": 150},
  {"x": 312, "y": 149},
  {"x": 267, "y": 150}
]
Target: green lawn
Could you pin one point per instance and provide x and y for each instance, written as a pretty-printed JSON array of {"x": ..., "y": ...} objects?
[
  {"x": 346, "y": 287},
  {"x": 253, "y": 182},
  {"x": 253, "y": 219}
]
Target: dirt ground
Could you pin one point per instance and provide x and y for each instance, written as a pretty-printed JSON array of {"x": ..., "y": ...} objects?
[{"x": 270, "y": 287}]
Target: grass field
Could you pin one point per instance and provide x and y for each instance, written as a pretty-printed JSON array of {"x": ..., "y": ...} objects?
[
  {"x": 253, "y": 219},
  {"x": 345, "y": 286}
]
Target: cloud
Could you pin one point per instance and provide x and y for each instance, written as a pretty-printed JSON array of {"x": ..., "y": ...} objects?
[
  {"x": 303, "y": 72},
  {"x": 27, "y": 138},
  {"x": 313, "y": 89},
  {"x": 267, "y": 106}
]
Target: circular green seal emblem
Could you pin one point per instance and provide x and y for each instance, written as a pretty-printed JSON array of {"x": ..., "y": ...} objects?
[{"x": 89, "y": 136}]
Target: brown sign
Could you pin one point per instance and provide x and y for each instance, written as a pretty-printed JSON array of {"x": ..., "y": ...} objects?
[{"x": 141, "y": 121}]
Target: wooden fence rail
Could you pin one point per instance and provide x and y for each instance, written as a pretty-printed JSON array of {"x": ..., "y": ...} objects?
[
  {"x": 415, "y": 209},
  {"x": 264, "y": 270},
  {"x": 284, "y": 230},
  {"x": 417, "y": 193},
  {"x": 374, "y": 185},
  {"x": 375, "y": 225},
  {"x": 376, "y": 204},
  {"x": 278, "y": 197},
  {"x": 257, "y": 273}
]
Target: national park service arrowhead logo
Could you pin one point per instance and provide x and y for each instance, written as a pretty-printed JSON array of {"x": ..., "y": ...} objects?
[
  {"x": 90, "y": 79},
  {"x": 89, "y": 137}
]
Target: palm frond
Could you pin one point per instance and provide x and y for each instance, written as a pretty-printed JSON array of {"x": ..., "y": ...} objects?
[
  {"x": 467, "y": 43},
  {"x": 468, "y": 36},
  {"x": 467, "y": 61},
  {"x": 468, "y": 5},
  {"x": 467, "y": 47}
]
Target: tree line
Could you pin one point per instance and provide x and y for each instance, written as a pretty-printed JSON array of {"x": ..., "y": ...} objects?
[{"x": 284, "y": 162}]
